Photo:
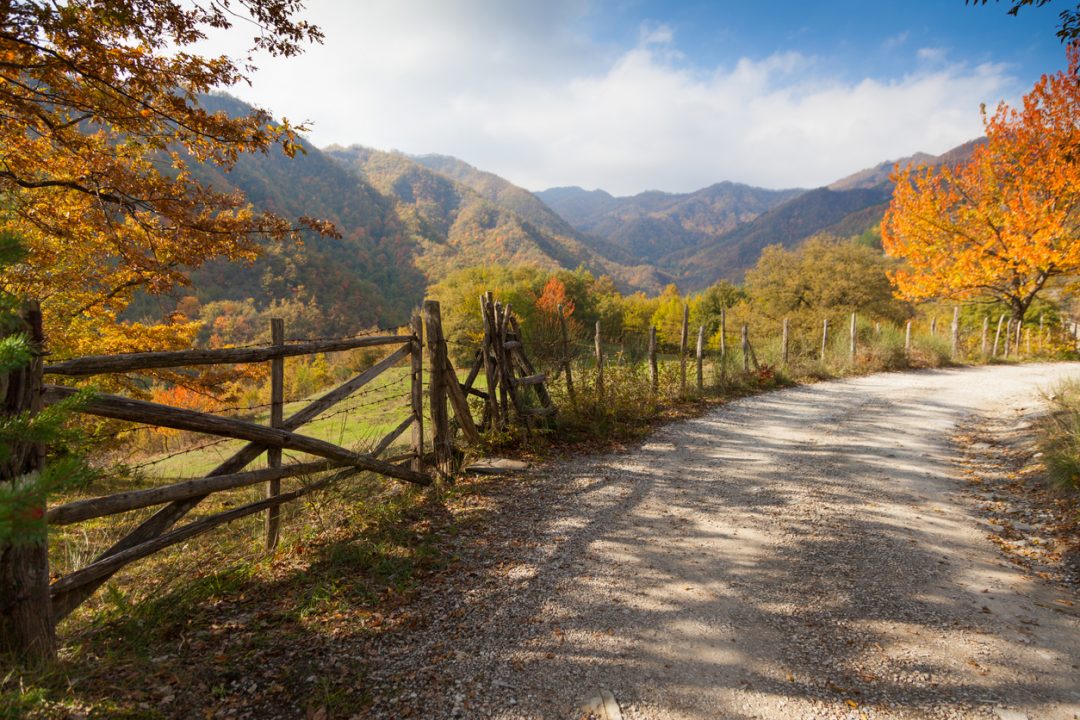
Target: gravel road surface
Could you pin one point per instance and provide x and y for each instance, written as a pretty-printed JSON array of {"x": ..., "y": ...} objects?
[{"x": 808, "y": 553}]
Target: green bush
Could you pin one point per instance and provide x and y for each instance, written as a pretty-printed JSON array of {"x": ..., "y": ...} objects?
[{"x": 1059, "y": 438}]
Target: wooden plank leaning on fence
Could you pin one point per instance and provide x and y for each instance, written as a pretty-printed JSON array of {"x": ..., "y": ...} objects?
[
  {"x": 27, "y": 626},
  {"x": 137, "y": 543}
]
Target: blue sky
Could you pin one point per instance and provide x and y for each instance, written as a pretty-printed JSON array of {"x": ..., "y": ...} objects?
[{"x": 630, "y": 95}]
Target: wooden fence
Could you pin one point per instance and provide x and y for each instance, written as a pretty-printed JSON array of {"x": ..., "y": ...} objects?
[
  {"x": 32, "y": 605},
  {"x": 515, "y": 392}
]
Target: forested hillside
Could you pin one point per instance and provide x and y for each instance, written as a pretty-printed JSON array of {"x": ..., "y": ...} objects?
[{"x": 459, "y": 216}]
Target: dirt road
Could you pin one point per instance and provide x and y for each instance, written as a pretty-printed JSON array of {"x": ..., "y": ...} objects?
[{"x": 809, "y": 553}]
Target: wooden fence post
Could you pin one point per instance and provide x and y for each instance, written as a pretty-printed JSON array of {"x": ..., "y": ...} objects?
[
  {"x": 1027, "y": 341},
  {"x": 997, "y": 335},
  {"x": 985, "y": 337},
  {"x": 683, "y": 340},
  {"x": 746, "y": 348},
  {"x": 854, "y": 338},
  {"x": 599, "y": 363},
  {"x": 1042, "y": 335},
  {"x": 566, "y": 358},
  {"x": 440, "y": 419},
  {"x": 487, "y": 310},
  {"x": 416, "y": 394},
  {"x": 654, "y": 373},
  {"x": 277, "y": 416},
  {"x": 784, "y": 339},
  {"x": 824, "y": 338},
  {"x": 933, "y": 326},
  {"x": 27, "y": 628},
  {"x": 907, "y": 339},
  {"x": 1019, "y": 330},
  {"x": 1008, "y": 337},
  {"x": 700, "y": 351},
  {"x": 723, "y": 344},
  {"x": 954, "y": 331}
]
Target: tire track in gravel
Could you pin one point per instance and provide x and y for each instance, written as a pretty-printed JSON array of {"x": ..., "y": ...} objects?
[{"x": 806, "y": 553}]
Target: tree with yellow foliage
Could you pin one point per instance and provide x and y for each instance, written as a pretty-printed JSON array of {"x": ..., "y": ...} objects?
[
  {"x": 1001, "y": 225},
  {"x": 100, "y": 127}
]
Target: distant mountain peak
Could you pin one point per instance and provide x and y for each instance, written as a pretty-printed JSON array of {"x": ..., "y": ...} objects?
[{"x": 879, "y": 174}]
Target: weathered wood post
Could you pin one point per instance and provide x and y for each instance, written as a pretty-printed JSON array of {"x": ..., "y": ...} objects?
[
  {"x": 824, "y": 338},
  {"x": 1027, "y": 341},
  {"x": 907, "y": 340},
  {"x": 985, "y": 337},
  {"x": 440, "y": 417},
  {"x": 933, "y": 326},
  {"x": 683, "y": 341},
  {"x": 1042, "y": 335},
  {"x": 784, "y": 340},
  {"x": 1008, "y": 338},
  {"x": 700, "y": 358},
  {"x": 599, "y": 363},
  {"x": 277, "y": 415},
  {"x": 416, "y": 391},
  {"x": 854, "y": 338},
  {"x": 26, "y": 620},
  {"x": 746, "y": 348},
  {"x": 487, "y": 310},
  {"x": 498, "y": 345},
  {"x": 654, "y": 373},
  {"x": 997, "y": 335},
  {"x": 1019, "y": 331},
  {"x": 954, "y": 331},
  {"x": 723, "y": 344},
  {"x": 566, "y": 358}
]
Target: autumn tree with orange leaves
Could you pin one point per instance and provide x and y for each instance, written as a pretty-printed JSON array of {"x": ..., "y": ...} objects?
[
  {"x": 100, "y": 127},
  {"x": 1003, "y": 224}
]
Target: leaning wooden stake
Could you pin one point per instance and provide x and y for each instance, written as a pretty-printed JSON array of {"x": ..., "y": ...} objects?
[
  {"x": 954, "y": 333},
  {"x": 566, "y": 358},
  {"x": 1016, "y": 340},
  {"x": 824, "y": 338},
  {"x": 997, "y": 335},
  {"x": 683, "y": 340},
  {"x": 277, "y": 415},
  {"x": 933, "y": 326},
  {"x": 784, "y": 340},
  {"x": 1008, "y": 338},
  {"x": 907, "y": 339},
  {"x": 985, "y": 337},
  {"x": 440, "y": 418},
  {"x": 27, "y": 627},
  {"x": 700, "y": 363},
  {"x": 854, "y": 339},
  {"x": 654, "y": 374},
  {"x": 416, "y": 391},
  {"x": 599, "y": 364}
]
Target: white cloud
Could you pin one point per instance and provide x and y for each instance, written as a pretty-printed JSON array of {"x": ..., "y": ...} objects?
[{"x": 522, "y": 89}]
